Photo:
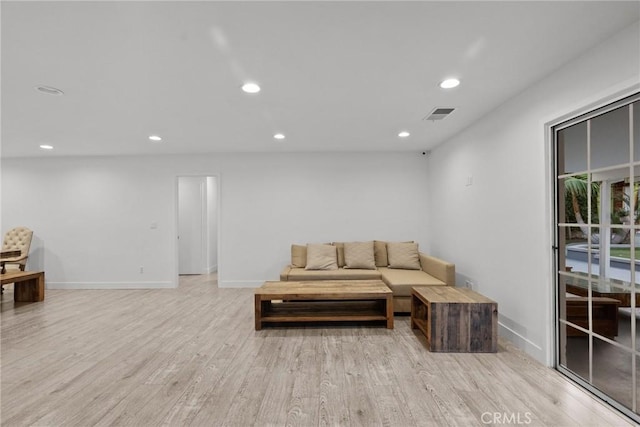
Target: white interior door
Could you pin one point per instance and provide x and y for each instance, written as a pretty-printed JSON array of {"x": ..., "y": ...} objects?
[{"x": 192, "y": 206}]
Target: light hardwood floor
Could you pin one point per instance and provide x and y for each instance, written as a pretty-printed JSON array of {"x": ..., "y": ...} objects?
[{"x": 191, "y": 356}]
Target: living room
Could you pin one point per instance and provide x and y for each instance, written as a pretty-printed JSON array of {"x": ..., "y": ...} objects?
[{"x": 481, "y": 197}]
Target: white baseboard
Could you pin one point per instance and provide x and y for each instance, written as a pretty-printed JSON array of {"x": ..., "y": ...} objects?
[
  {"x": 109, "y": 285},
  {"x": 523, "y": 343},
  {"x": 240, "y": 283}
]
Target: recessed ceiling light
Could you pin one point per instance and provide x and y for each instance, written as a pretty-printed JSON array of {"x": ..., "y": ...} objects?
[
  {"x": 49, "y": 90},
  {"x": 155, "y": 138},
  {"x": 251, "y": 88},
  {"x": 278, "y": 136},
  {"x": 46, "y": 147},
  {"x": 449, "y": 83},
  {"x": 404, "y": 134}
]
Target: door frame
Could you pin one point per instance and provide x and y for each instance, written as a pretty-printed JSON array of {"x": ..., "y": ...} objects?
[{"x": 176, "y": 225}]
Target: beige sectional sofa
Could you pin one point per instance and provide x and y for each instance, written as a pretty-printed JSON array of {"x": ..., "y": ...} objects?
[{"x": 399, "y": 265}]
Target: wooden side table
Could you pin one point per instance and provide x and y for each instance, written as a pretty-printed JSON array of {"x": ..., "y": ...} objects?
[{"x": 455, "y": 319}]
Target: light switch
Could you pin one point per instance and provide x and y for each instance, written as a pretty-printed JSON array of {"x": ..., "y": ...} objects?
[{"x": 154, "y": 225}]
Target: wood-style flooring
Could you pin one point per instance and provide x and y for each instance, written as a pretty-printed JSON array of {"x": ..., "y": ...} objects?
[{"x": 191, "y": 356}]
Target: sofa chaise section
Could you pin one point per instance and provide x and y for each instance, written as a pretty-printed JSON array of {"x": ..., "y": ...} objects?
[{"x": 434, "y": 272}]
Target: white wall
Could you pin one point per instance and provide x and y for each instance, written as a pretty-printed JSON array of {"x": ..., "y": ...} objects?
[
  {"x": 93, "y": 215},
  {"x": 498, "y": 230}
]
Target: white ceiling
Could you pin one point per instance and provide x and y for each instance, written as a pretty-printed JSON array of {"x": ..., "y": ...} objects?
[{"x": 338, "y": 76}]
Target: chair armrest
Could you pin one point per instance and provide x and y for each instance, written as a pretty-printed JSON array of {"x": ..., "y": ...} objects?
[
  {"x": 284, "y": 274},
  {"x": 439, "y": 269}
]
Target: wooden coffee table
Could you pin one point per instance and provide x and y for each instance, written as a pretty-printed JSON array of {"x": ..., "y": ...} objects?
[
  {"x": 324, "y": 301},
  {"x": 455, "y": 319}
]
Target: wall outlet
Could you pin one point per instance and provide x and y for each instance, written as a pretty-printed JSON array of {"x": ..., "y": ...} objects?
[
  {"x": 468, "y": 284},
  {"x": 141, "y": 269}
]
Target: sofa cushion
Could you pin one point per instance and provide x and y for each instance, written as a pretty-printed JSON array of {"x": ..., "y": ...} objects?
[
  {"x": 359, "y": 255},
  {"x": 380, "y": 253},
  {"x": 321, "y": 257},
  {"x": 401, "y": 281},
  {"x": 403, "y": 255},
  {"x": 298, "y": 256},
  {"x": 301, "y": 274}
]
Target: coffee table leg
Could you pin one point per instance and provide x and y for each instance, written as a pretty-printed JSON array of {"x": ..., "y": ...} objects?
[
  {"x": 389, "y": 312},
  {"x": 258, "y": 303},
  {"x": 413, "y": 311}
]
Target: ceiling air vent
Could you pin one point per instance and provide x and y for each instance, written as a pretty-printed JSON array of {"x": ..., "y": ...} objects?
[{"x": 439, "y": 113}]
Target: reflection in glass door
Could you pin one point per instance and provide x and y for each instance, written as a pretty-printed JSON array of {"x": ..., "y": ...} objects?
[{"x": 598, "y": 258}]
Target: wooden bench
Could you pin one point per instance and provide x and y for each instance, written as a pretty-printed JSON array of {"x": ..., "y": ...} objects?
[{"x": 28, "y": 285}]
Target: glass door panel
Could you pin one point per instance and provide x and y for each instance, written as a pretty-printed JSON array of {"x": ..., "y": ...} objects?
[
  {"x": 572, "y": 149},
  {"x": 611, "y": 371},
  {"x": 637, "y": 359},
  {"x": 636, "y": 130},
  {"x": 610, "y": 139},
  {"x": 636, "y": 319},
  {"x": 575, "y": 356},
  {"x": 576, "y": 244},
  {"x": 574, "y": 192}
]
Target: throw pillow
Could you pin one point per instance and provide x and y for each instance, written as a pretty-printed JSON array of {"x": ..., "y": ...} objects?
[
  {"x": 380, "y": 252},
  {"x": 403, "y": 255},
  {"x": 321, "y": 257},
  {"x": 359, "y": 255},
  {"x": 298, "y": 256},
  {"x": 340, "y": 247}
]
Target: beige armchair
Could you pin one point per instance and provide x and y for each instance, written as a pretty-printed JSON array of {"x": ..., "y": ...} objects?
[{"x": 16, "y": 239}]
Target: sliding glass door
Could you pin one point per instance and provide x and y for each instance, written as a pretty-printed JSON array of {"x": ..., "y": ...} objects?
[{"x": 598, "y": 248}]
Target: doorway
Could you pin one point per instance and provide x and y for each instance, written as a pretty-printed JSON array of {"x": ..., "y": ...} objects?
[{"x": 197, "y": 224}]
